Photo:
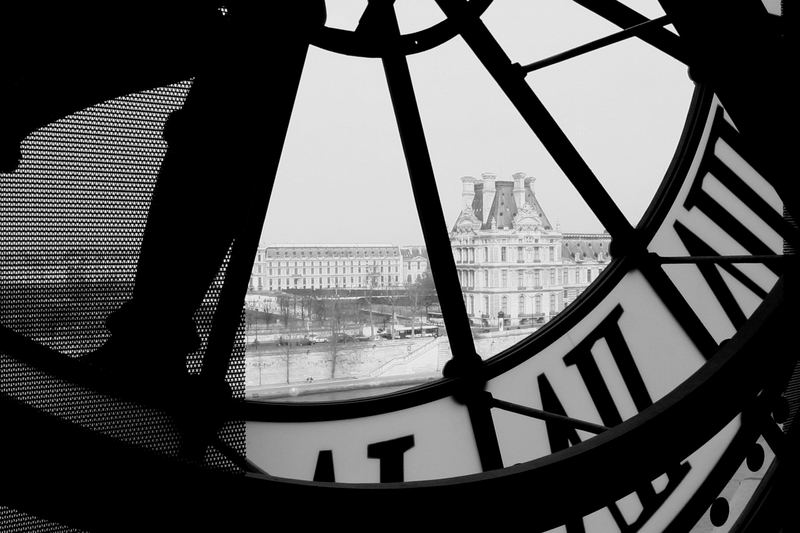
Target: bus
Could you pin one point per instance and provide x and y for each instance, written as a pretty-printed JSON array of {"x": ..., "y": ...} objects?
[{"x": 406, "y": 332}]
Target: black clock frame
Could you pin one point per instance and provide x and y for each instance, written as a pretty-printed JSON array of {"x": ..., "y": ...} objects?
[{"x": 734, "y": 381}]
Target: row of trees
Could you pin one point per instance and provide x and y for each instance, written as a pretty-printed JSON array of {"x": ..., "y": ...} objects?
[
  {"x": 335, "y": 315},
  {"x": 313, "y": 310}
]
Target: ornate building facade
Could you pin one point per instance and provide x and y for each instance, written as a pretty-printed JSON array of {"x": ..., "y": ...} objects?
[
  {"x": 299, "y": 267},
  {"x": 283, "y": 267},
  {"x": 512, "y": 263}
]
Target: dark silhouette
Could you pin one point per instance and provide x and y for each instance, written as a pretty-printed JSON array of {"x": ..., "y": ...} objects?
[{"x": 213, "y": 187}]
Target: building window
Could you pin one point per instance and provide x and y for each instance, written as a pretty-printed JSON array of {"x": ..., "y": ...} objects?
[
  {"x": 553, "y": 302},
  {"x": 552, "y": 276},
  {"x": 521, "y": 310},
  {"x": 588, "y": 275},
  {"x": 504, "y": 305},
  {"x": 503, "y": 254},
  {"x": 537, "y": 282},
  {"x": 537, "y": 303},
  {"x": 503, "y": 278}
]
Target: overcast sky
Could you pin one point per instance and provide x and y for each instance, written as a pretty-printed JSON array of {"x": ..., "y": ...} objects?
[{"x": 343, "y": 179}]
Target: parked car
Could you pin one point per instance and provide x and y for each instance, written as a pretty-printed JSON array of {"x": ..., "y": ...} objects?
[
  {"x": 316, "y": 339},
  {"x": 344, "y": 337}
]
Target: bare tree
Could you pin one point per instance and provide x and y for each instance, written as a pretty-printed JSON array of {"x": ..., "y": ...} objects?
[
  {"x": 393, "y": 297},
  {"x": 373, "y": 282},
  {"x": 290, "y": 345},
  {"x": 335, "y": 330},
  {"x": 285, "y": 302},
  {"x": 421, "y": 295}
]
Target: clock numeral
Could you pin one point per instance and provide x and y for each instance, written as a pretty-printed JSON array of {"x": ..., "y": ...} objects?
[
  {"x": 731, "y": 224},
  {"x": 696, "y": 246},
  {"x": 324, "y": 469},
  {"x": 582, "y": 357},
  {"x": 561, "y": 436},
  {"x": 390, "y": 454},
  {"x": 650, "y": 500},
  {"x": 727, "y": 221}
]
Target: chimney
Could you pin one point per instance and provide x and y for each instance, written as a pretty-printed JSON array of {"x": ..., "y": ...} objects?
[
  {"x": 519, "y": 188},
  {"x": 488, "y": 193},
  {"x": 529, "y": 185},
  {"x": 467, "y": 191}
]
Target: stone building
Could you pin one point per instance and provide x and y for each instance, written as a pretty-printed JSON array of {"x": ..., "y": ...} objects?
[
  {"x": 512, "y": 263},
  {"x": 327, "y": 267},
  {"x": 415, "y": 263}
]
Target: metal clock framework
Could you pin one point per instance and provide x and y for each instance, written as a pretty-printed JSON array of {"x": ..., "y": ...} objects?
[{"x": 632, "y": 411}]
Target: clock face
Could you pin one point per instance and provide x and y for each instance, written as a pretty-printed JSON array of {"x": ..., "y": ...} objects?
[
  {"x": 688, "y": 284},
  {"x": 643, "y": 405}
]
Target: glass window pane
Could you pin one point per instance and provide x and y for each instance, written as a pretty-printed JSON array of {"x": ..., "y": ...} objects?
[{"x": 341, "y": 300}]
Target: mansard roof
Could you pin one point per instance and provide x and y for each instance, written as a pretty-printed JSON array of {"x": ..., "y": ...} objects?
[
  {"x": 413, "y": 251},
  {"x": 589, "y": 245},
  {"x": 328, "y": 250},
  {"x": 502, "y": 208}
]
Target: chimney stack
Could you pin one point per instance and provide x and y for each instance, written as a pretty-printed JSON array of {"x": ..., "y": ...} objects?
[
  {"x": 488, "y": 193},
  {"x": 467, "y": 191},
  {"x": 519, "y": 188}
]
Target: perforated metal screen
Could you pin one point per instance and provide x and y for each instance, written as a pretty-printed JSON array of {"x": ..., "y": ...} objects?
[
  {"x": 13, "y": 521},
  {"x": 72, "y": 218}
]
